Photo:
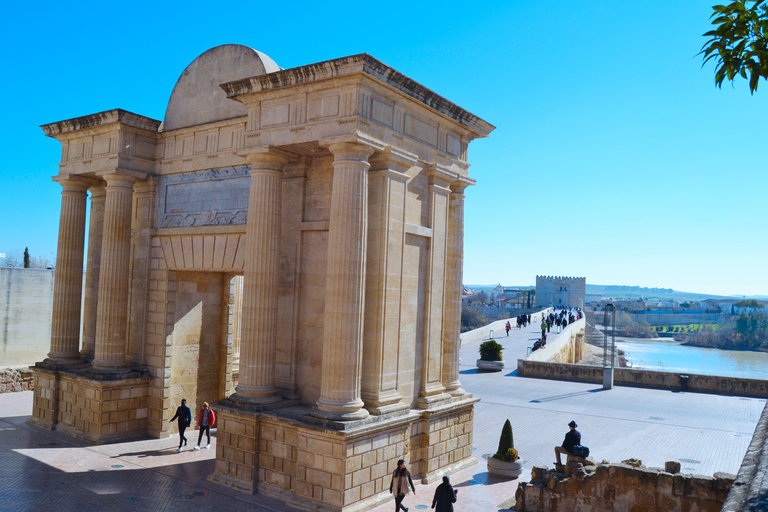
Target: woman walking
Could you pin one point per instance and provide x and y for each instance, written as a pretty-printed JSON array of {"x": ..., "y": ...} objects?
[{"x": 401, "y": 478}]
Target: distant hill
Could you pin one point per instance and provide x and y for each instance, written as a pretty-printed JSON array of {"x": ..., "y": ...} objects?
[{"x": 634, "y": 292}]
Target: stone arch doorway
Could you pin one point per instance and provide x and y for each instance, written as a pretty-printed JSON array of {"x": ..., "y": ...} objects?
[{"x": 204, "y": 341}]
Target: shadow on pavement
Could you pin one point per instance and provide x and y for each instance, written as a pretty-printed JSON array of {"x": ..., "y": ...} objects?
[{"x": 567, "y": 395}]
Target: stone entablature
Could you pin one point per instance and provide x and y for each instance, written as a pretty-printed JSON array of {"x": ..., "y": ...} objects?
[{"x": 302, "y": 249}]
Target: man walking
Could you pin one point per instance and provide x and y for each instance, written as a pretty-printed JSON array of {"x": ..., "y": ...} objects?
[{"x": 185, "y": 419}]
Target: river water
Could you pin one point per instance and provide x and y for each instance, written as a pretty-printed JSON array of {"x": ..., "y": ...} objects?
[{"x": 672, "y": 356}]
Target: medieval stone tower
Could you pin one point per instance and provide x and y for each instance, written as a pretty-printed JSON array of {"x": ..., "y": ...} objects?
[{"x": 561, "y": 291}]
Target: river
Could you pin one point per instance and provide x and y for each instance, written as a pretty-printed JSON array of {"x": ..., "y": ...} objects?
[{"x": 672, "y": 356}]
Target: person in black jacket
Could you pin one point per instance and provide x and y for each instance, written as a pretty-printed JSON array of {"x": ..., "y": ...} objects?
[
  {"x": 572, "y": 438},
  {"x": 185, "y": 419},
  {"x": 445, "y": 496}
]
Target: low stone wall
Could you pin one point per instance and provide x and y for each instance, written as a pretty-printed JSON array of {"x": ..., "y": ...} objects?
[
  {"x": 16, "y": 379},
  {"x": 750, "y": 489},
  {"x": 565, "y": 347},
  {"x": 612, "y": 487},
  {"x": 280, "y": 453},
  {"x": 645, "y": 378}
]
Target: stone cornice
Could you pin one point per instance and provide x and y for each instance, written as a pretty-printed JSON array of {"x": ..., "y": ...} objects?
[
  {"x": 101, "y": 119},
  {"x": 356, "y": 64}
]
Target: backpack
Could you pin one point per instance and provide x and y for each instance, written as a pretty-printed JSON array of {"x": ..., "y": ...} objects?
[{"x": 581, "y": 451}]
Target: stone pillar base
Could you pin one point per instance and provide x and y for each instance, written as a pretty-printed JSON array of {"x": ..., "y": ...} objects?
[
  {"x": 325, "y": 465},
  {"x": 97, "y": 410}
]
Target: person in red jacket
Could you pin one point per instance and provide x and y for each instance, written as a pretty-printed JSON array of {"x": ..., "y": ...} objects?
[{"x": 205, "y": 421}]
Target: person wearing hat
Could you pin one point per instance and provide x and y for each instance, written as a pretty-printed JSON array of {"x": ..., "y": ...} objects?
[
  {"x": 572, "y": 438},
  {"x": 445, "y": 496},
  {"x": 185, "y": 420},
  {"x": 206, "y": 420}
]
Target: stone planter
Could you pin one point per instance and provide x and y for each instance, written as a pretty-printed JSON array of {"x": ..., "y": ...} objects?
[
  {"x": 501, "y": 469},
  {"x": 490, "y": 366}
]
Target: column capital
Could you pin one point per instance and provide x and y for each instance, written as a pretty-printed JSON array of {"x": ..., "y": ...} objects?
[
  {"x": 458, "y": 186},
  {"x": 119, "y": 179},
  {"x": 98, "y": 190},
  {"x": 74, "y": 183},
  {"x": 440, "y": 176},
  {"x": 393, "y": 157},
  {"x": 350, "y": 152},
  {"x": 267, "y": 158}
]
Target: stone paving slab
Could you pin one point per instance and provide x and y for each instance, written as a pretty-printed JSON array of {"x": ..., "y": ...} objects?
[{"x": 43, "y": 470}]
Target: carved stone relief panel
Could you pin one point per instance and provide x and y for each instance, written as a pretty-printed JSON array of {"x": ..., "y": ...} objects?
[{"x": 216, "y": 197}]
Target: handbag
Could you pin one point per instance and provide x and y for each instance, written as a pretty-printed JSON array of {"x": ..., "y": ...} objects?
[{"x": 581, "y": 451}]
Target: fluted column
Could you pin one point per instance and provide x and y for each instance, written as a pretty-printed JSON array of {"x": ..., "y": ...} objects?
[
  {"x": 452, "y": 310},
  {"x": 345, "y": 285},
  {"x": 68, "y": 282},
  {"x": 260, "y": 282},
  {"x": 93, "y": 264},
  {"x": 112, "y": 309}
]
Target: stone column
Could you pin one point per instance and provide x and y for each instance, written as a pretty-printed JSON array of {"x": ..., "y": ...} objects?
[
  {"x": 68, "y": 282},
  {"x": 452, "y": 310},
  {"x": 345, "y": 285},
  {"x": 112, "y": 310},
  {"x": 432, "y": 391},
  {"x": 384, "y": 268},
  {"x": 260, "y": 282},
  {"x": 95, "y": 231}
]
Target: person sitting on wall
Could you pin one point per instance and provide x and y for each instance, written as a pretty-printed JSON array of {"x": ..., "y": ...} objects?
[
  {"x": 572, "y": 438},
  {"x": 536, "y": 345}
]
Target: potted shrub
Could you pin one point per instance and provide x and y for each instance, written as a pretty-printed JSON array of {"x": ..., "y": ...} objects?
[
  {"x": 505, "y": 462},
  {"x": 490, "y": 356}
]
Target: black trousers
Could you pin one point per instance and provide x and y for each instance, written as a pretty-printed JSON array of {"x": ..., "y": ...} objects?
[
  {"x": 399, "y": 503},
  {"x": 182, "y": 439},
  {"x": 207, "y": 430}
]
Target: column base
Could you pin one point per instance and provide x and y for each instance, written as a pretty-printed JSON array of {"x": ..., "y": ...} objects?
[
  {"x": 97, "y": 410},
  {"x": 340, "y": 411},
  {"x": 359, "y": 414},
  {"x": 430, "y": 402},
  {"x": 255, "y": 404},
  {"x": 61, "y": 364}
]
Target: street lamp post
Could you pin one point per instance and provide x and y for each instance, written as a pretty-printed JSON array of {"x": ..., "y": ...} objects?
[{"x": 608, "y": 369}]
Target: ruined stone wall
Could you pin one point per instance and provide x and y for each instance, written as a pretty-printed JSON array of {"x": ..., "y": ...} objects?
[
  {"x": 645, "y": 378},
  {"x": 16, "y": 379},
  {"x": 622, "y": 487}
]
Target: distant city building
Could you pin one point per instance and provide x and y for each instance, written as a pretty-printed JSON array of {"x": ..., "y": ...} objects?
[
  {"x": 589, "y": 298},
  {"x": 561, "y": 291}
]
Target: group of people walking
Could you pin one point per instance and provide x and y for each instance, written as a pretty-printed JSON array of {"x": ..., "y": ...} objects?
[{"x": 205, "y": 420}]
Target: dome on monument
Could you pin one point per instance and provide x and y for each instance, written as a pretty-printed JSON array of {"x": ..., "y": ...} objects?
[{"x": 197, "y": 97}]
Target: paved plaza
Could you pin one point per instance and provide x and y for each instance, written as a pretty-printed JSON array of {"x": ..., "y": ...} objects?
[{"x": 42, "y": 470}]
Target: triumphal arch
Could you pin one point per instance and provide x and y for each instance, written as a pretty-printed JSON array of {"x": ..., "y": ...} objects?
[{"x": 286, "y": 244}]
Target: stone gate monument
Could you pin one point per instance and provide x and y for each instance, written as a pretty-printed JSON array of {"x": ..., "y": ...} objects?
[{"x": 287, "y": 243}]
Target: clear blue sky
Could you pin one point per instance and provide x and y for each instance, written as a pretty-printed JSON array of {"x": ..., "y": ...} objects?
[{"x": 615, "y": 156}]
